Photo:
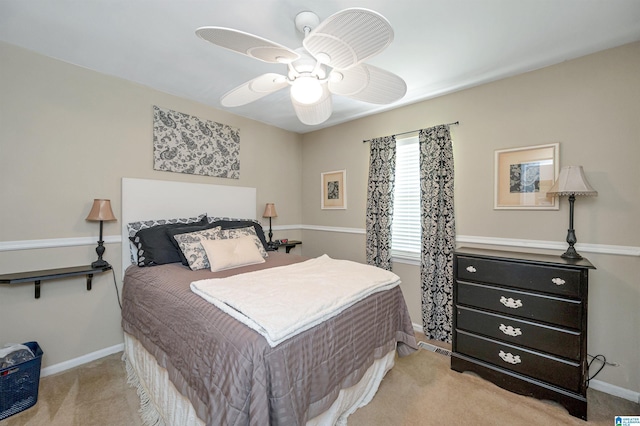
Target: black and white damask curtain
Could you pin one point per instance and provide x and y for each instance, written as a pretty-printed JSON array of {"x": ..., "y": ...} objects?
[
  {"x": 438, "y": 231},
  {"x": 382, "y": 171}
]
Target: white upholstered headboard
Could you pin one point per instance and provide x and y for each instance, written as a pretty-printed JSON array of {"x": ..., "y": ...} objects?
[{"x": 145, "y": 199}]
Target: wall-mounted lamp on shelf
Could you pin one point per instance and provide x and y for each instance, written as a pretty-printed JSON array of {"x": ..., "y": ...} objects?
[
  {"x": 571, "y": 182},
  {"x": 100, "y": 212}
]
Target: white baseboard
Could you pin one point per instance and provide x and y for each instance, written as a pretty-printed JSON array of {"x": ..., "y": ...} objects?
[
  {"x": 593, "y": 384},
  {"x": 615, "y": 390},
  {"x": 75, "y": 362}
]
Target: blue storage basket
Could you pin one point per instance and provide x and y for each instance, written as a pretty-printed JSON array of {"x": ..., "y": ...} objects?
[{"x": 19, "y": 384}]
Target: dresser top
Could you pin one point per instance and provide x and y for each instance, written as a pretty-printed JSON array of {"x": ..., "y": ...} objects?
[{"x": 551, "y": 260}]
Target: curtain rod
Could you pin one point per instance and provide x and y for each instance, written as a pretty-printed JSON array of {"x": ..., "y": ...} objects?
[{"x": 455, "y": 123}]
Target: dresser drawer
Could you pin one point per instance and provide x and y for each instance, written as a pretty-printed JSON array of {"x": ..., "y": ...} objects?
[
  {"x": 555, "y": 371},
  {"x": 561, "y": 281},
  {"x": 555, "y": 341},
  {"x": 548, "y": 309}
]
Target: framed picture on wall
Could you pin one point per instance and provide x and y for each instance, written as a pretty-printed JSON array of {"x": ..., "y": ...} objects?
[
  {"x": 334, "y": 189},
  {"x": 524, "y": 175}
]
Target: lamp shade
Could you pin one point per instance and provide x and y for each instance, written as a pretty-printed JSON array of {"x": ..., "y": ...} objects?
[
  {"x": 571, "y": 182},
  {"x": 270, "y": 210},
  {"x": 101, "y": 211}
]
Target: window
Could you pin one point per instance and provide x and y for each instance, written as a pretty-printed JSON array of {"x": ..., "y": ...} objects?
[{"x": 406, "y": 227}]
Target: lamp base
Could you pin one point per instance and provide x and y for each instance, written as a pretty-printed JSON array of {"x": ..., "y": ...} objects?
[
  {"x": 100, "y": 264},
  {"x": 571, "y": 253}
]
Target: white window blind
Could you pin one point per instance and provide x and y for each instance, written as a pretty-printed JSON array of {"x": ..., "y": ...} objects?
[{"x": 405, "y": 226}]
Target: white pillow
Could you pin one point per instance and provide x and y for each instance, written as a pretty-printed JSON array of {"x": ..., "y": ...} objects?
[
  {"x": 231, "y": 253},
  {"x": 242, "y": 232}
]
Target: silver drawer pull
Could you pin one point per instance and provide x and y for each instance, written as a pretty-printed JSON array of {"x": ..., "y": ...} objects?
[
  {"x": 557, "y": 281},
  {"x": 510, "y": 303},
  {"x": 471, "y": 269},
  {"x": 510, "y": 331},
  {"x": 508, "y": 357}
]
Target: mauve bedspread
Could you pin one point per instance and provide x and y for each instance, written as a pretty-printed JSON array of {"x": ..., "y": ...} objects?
[{"x": 230, "y": 373}]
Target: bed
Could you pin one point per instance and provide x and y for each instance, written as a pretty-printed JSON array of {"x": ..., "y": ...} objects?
[{"x": 195, "y": 364}]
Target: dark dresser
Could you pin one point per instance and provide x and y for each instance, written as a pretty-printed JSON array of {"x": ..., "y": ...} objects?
[{"x": 520, "y": 321}]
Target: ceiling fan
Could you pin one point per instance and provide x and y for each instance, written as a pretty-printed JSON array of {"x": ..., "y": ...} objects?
[{"x": 330, "y": 62}]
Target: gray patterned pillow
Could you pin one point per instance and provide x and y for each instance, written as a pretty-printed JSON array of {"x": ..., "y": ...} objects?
[
  {"x": 134, "y": 227},
  {"x": 242, "y": 232},
  {"x": 192, "y": 249},
  {"x": 232, "y": 223}
]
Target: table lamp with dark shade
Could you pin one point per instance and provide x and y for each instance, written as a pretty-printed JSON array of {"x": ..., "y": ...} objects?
[
  {"x": 100, "y": 212},
  {"x": 571, "y": 182},
  {"x": 270, "y": 211}
]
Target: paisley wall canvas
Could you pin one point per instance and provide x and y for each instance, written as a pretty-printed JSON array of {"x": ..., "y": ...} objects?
[{"x": 183, "y": 143}]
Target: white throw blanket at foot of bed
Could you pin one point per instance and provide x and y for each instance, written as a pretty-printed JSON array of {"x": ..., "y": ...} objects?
[{"x": 284, "y": 301}]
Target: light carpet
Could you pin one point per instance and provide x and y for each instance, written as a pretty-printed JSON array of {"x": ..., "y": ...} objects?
[{"x": 420, "y": 390}]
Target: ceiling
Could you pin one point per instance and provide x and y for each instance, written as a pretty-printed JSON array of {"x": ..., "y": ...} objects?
[{"x": 440, "y": 46}]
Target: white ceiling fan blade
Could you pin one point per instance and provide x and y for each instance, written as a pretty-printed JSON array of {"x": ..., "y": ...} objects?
[
  {"x": 369, "y": 84},
  {"x": 254, "y": 89},
  {"x": 316, "y": 113},
  {"x": 349, "y": 37},
  {"x": 247, "y": 44}
]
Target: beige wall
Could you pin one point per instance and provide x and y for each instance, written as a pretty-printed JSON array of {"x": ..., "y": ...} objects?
[
  {"x": 591, "y": 106},
  {"x": 68, "y": 135}
]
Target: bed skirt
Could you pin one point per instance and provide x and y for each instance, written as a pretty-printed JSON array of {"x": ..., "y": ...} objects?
[{"x": 161, "y": 404}]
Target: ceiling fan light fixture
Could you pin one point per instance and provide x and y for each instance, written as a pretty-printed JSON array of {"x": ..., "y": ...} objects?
[
  {"x": 306, "y": 90},
  {"x": 316, "y": 113},
  {"x": 330, "y": 62}
]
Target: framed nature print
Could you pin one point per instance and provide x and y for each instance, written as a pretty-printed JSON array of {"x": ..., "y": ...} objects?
[
  {"x": 334, "y": 189},
  {"x": 524, "y": 175}
]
